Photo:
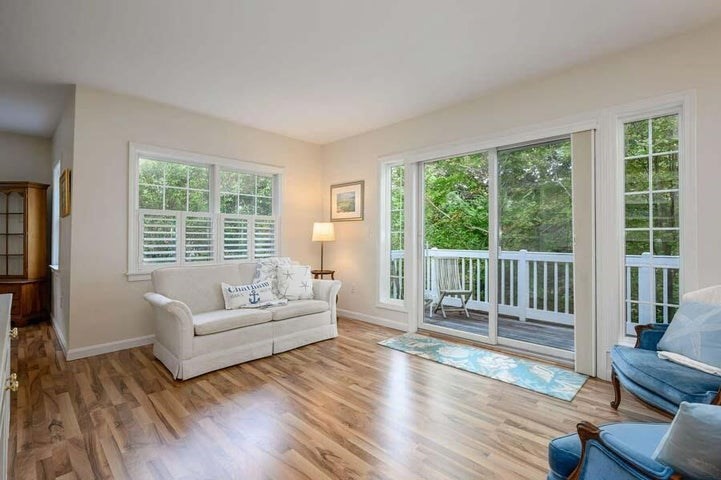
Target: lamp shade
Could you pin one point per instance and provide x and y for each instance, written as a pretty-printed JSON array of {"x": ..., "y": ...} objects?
[{"x": 323, "y": 232}]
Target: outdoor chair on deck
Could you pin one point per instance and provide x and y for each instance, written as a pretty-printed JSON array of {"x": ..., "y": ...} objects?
[{"x": 450, "y": 284}]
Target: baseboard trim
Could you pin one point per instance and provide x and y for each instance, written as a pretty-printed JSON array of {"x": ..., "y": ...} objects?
[
  {"x": 59, "y": 335},
  {"x": 92, "y": 350},
  {"x": 383, "y": 322}
]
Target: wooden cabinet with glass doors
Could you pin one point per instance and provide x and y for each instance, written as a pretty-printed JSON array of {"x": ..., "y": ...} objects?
[{"x": 23, "y": 249}]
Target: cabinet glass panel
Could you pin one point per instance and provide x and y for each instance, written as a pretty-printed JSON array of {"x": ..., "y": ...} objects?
[
  {"x": 15, "y": 244},
  {"x": 3, "y": 265},
  {"x": 3, "y": 202},
  {"x": 3, "y": 223},
  {"x": 16, "y": 202},
  {"x": 3, "y": 244},
  {"x": 15, "y": 265},
  {"x": 16, "y": 223}
]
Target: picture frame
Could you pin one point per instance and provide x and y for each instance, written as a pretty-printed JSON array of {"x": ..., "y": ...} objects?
[
  {"x": 65, "y": 182},
  {"x": 347, "y": 201}
]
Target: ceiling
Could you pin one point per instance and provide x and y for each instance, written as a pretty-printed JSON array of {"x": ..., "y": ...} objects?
[{"x": 316, "y": 70}]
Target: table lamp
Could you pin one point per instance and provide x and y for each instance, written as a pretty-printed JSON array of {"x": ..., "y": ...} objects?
[{"x": 323, "y": 232}]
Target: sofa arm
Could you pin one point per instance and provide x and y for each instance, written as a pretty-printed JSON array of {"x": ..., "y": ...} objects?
[
  {"x": 327, "y": 290},
  {"x": 604, "y": 455},
  {"x": 173, "y": 324},
  {"x": 648, "y": 336}
]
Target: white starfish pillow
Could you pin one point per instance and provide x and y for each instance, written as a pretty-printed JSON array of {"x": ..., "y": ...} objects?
[{"x": 295, "y": 282}]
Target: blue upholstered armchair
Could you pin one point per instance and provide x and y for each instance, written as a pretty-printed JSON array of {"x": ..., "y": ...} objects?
[
  {"x": 661, "y": 383},
  {"x": 612, "y": 452}
]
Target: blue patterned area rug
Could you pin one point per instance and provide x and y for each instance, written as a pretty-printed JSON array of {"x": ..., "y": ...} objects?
[{"x": 538, "y": 377}]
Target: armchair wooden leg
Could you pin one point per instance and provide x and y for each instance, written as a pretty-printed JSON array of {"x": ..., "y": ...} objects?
[
  {"x": 586, "y": 431},
  {"x": 616, "y": 390}
]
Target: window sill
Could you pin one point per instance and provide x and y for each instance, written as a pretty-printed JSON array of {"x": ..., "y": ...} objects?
[
  {"x": 137, "y": 277},
  {"x": 392, "y": 306}
]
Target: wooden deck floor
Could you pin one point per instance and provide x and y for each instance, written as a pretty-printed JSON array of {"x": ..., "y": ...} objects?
[
  {"x": 344, "y": 408},
  {"x": 556, "y": 336}
]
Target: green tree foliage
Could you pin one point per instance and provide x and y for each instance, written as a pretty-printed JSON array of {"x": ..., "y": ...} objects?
[
  {"x": 397, "y": 205},
  {"x": 651, "y": 186},
  {"x": 456, "y": 203},
  {"x": 173, "y": 186},
  {"x": 534, "y": 200},
  {"x": 535, "y": 197}
]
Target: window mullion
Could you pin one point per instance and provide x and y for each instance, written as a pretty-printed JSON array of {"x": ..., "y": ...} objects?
[
  {"x": 251, "y": 238},
  {"x": 180, "y": 234},
  {"x": 214, "y": 208}
]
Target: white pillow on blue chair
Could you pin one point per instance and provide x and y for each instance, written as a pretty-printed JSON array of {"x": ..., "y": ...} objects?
[
  {"x": 691, "y": 445},
  {"x": 694, "y": 333}
]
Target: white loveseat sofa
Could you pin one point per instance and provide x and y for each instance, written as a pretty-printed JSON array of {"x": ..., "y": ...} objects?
[{"x": 194, "y": 334}]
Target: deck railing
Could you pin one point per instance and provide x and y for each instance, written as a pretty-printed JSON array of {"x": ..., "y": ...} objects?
[
  {"x": 652, "y": 289},
  {"x": 539, "y": 285}
]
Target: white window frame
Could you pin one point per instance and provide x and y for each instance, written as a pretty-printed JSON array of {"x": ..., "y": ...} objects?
[
  {"x": 55, "y": 218},
  {"x": 384, "y": 228},
  {"x": 684, "y": 106},
  {"x": 136, "y": 269}
]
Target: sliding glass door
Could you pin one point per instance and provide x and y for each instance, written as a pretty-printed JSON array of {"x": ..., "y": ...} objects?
[
  {"x": 498, "y": 250},
  {"x": 456, "y": 272},
  {"x": 535, "y": 284}
]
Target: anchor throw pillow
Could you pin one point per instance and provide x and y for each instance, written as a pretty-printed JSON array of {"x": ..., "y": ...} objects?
[
  {"x": 247, "y": 296},
  {"x": 294, "y": 282}
]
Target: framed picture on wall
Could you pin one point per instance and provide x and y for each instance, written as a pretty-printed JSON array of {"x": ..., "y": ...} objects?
[
  {"x": 346, "y": 201},
  {"x": 65, "y": 193}
]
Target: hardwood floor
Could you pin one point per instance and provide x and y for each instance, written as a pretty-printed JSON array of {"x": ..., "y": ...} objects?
[{"x": 344, "y": 408}]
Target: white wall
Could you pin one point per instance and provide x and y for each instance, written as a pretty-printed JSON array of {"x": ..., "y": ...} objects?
[
  {"x": 105, "y": 307},
  {"x": 689, "y": 61},
  {"x": 25, "y": 158},
  {"x": 63, "y": 149}
]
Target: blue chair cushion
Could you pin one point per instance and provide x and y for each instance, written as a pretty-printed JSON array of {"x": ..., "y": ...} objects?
[
  {"x": 564, "y": 453},
  {"x": 676, "y": 383}
]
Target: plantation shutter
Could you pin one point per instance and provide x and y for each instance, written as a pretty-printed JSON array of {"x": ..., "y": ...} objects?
[
  {"x": 159, "y": 238},
  {"x": 235, "y": 238},
  {"x": 198, "y": 238},
  {"x": 264, "y": 237}
]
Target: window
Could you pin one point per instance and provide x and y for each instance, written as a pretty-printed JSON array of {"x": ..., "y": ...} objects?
[
  {"x": 192, "y": 209},
  {"x": 393, "y": 237},
  {"x": 246, "y": 202},
  {"x": 652, "y": 225},
  {"x": 55, "y": 219}
]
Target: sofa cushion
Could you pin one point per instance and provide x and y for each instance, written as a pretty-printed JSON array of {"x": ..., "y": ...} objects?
[
  {"x": 221, "y": 320},
  {"x": 199, "y": 287},
  {"x": 676, "y": 383},
  {"x": 564, "y": 453},
  {"x": 297, "y": 308}
]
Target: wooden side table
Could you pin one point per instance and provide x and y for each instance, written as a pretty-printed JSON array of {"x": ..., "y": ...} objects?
[{"x": 319, "y": 274}]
